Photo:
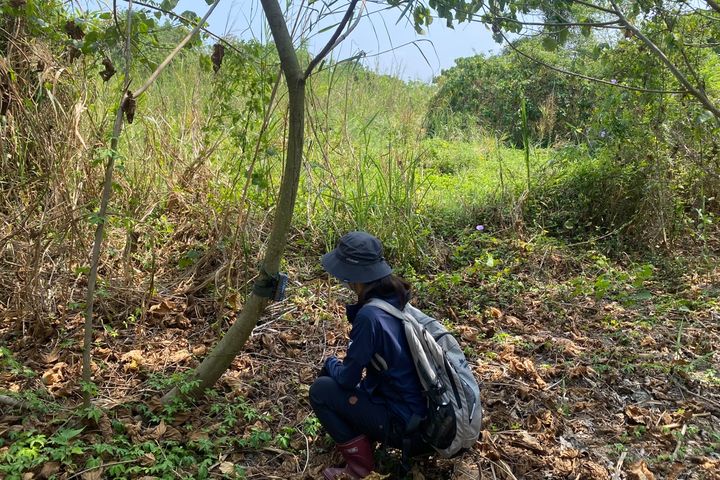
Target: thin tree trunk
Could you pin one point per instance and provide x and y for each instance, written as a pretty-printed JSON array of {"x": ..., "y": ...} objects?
[
  {"x": 104, "y": 200},
  {"x": 125, "y": 103},
  {"x": 217, "y": 361}
]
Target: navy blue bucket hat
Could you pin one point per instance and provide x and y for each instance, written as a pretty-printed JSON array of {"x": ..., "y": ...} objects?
[{"x": 358, "y": 258}]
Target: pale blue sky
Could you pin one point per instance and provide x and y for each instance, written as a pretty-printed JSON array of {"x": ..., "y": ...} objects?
[{"x": 376, "y": 33}]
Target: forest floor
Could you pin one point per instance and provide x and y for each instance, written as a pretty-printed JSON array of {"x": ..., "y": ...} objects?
[{"x": 591, "y": 368}]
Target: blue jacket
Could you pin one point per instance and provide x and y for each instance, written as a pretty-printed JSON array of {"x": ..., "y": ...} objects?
[{"x": 375, "y": 331}]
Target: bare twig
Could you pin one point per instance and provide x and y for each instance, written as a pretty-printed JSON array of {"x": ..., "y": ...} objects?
[{"x": 175, "y": 51}]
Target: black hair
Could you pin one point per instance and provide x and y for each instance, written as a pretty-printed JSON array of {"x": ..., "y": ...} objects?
[{"x": 385, "y": 287}]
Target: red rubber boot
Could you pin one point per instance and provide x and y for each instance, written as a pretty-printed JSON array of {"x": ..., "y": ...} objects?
[{"x": 358, "y": 455}]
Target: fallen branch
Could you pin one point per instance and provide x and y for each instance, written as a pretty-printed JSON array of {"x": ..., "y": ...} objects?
[{"x": 13, "y": 402}]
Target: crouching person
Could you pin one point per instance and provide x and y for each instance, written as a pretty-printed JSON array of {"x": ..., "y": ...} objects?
[{"x": 387, "y": 404}]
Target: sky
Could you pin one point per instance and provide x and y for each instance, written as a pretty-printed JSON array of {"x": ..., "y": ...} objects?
[{"x": 377, "y": 32}]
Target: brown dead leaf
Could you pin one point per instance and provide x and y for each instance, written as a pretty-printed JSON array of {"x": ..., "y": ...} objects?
[
  {"x": 227, "y": 468},
  {"x": 568, "y": 347},
  {"x": 148, "y": 460},
  {"x": 163, "y": 308},
  {"x": 648, "y": 341},
  {"x": 132, "y": 360},
  {"x": 467, "y": 333},
  {"x": 159, "y": 431},
  {"x": 196, "y": 435},
  {"x": 494, "y": 312},
  {"x": 55, "y": 374},
  {"x": 179, "y": 356},
  {"x": 712, "y": 467},
  {"x": 28, "y": 476},
  {"x": 94, "y": 474},
  {"x": 49, "y": 469},
  {"x": 640, "y": 471},
  {"x": 582, "y": 371},
  {"x": 525, "y": 368},
  {"x": 524, "y": 440},
  {"x": 593, "y": 471},
  {"x": 465, "y": 470},
  {"x": 378, "y": 476},
  {"x": 50, "y": 357},
  {"x": 638, "y": 415},
  {"x": 676, "y": 470}
]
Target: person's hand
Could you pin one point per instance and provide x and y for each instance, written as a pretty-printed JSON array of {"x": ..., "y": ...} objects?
[{"x": 327, "y": 365}]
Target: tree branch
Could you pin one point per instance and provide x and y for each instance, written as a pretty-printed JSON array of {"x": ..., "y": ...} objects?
[
  {"x": 175, "y": 51},
  {"x": 714, "y": 5},
  {"x": 692, "y": 90},
  {"x": 333, "y": 40},
  {"x": 177, "y": 16},
  {"x": 596, "y": 7},
  {"x": 609, "y": 24},
  {"x": 586, "y": 77}
]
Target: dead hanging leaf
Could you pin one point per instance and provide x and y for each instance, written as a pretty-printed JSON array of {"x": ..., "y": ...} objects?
[
  {"x": 640, "y": 471},
  {"x": 132, "y": 360},
  {"x": 638, "y": 415},
  {"x": 217, "y": 56},
  {"x": 94, "y": 474},
  {"x": 73, "y": 30},
  {"x": 109, "y": 71},
  {"x": 128, "y": 106},
  {"x": 49, "y": 469}
]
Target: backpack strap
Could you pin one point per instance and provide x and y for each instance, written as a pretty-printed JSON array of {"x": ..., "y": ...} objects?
[
  {"x": 387, "y": 307},
  {"x": 415, "y": 333}
]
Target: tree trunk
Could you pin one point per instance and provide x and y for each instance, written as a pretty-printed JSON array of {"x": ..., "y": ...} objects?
[{"x": 232, "y": 343}]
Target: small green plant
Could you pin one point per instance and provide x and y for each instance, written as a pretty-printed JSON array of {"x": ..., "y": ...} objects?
[{"x": 311, "y": 426}]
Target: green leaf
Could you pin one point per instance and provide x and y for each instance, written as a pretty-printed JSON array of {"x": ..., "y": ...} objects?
[
  {"x": 490, "y": 261},
  {"x": 169, "y": 4},
  {"x": 549, "y": 43}
]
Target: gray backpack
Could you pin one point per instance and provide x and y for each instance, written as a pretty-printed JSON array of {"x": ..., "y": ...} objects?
[{"x": 453, "y": 395}]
